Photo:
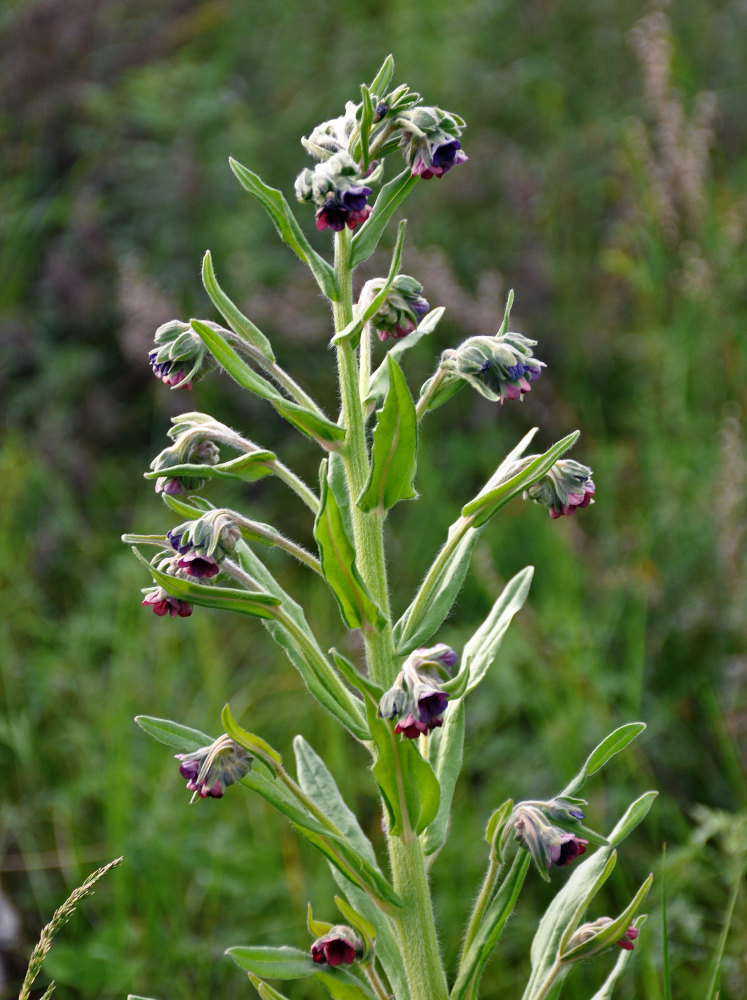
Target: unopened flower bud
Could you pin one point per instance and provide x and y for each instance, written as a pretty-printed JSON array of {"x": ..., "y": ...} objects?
[
  {"x": 202, "y": 543},
  {"x": 547, "y": 844},
  {"x": 210, "y": 770},
  {"x": 589, "y": 930},
  {"x": 179, "y": 357},
  {"x": 402, "y": 309},
  {"x": 568, "y": 486},
  {"x": 429, "y": 141},
  {"x": 339, "y": 946},
  {"x": 332, "y": 136},
  {"x": 189, "y": 450},
  {"x": 394, "y": 701}
]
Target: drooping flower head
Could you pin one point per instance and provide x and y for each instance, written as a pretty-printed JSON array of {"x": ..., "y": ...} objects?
[
  {"x": 191, "y": 451},
  {"x": 547, "y": 844},
  {"x": 591, "y": 932},
  {"x": 204, "y": 542},
  {"x": 179, "y": 357},
  {"x": 401, "y": 310},
  {"x": 163, "y": 604},
  {"x": 210, "y": 770},
  {"x": 339, "y": 946},
  {"x": 567, "y": 487},
  {"x": 415, "y": 699},
  {"x": 500, "y": 367},
  {"x": 335, "y": 187},
  {"x": 429, "y": 141}
]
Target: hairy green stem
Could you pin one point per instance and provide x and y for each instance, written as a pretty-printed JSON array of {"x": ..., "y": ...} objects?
[{"x": 481, "y": 903}]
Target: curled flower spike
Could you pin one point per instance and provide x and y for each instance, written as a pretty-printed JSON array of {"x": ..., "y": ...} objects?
[
  {"x": 346, "y": 208},
  {"x": 164, "y": 604},
  {"x": 402, "y": 309},
  {"x": 568, "y": 486},
  {"x": 429, "y": 141},
  {"x": 335, "y": 187},
  {"x": 415, "y": 697},
  {"x": 499, "y": 368},
  {"x": 179, "y": 357},
  {"x": 547, "y": 844},
  {"x": 203, "y": 542},
  {"x": 196, "y": 452},
  {"x": 339, "y": 946},
  {"x": 210, "y": 770}
]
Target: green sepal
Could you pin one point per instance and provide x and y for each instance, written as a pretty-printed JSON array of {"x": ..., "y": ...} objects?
[
  {"x": 367, "y": 109},
  {"x": 634, "y": 815},
  {"x": 342, "y": 984},
  {"x": 257, "y": 604},
  {"x": 191, "y": 509},
  {"x": 491, "y": 927},
  {"x": 318, "y": 783},
  {"x": 394, "y": 452},
  {"x": 378, "y": 386},
  {"x": 275, "y": 963},
  {"x": 449, "y": 387},
  {"x": 251, "y": 742},
  {"x": 399, "y": 767},
  {"x": 481, "y": 650},
  {"x": 437, "y": 593},
  {"x": 290, "y": 232},
  {"x": 610, "y": 745},
  {"x": 364, "y": 927},
  {"x": 352, "y": 332},
  {"x": 490, "y": 501},
  {"x": 265, "y": 991},
  {"x": 390, "y": 197},
  {"x": 173, "y": 734},
  {"x": 610, "y": 934},
  {"x": 337, "y": 555},
  {"x": 317, "y": 928},
  {"x": 353, "y": 676},
  {"x": 246, "y": 468},
  {"x": 606, "y": 990},
  {"x": 446, "y": 751},
  {"x": 314, "y": 425},
  {"x": 231, "y": 313},
  {"x": 380, "y": 83},
  {"x": 496, "y": 823}
]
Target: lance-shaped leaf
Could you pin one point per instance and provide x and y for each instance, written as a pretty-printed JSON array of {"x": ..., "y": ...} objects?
[
  {"x": 173, "y": 734},
  {"x": 378, "y": 387},
  {"x": 274, "y": 203},
  {"x": 437, "y": 593},
  {"x": 359, "y": 923},
  {"x": 407, "y": 782},
  {"x": 231, "y": 313},
  {"x": 607, "y": 988},
  {"x": 390, "y": 197},
  {"x": 274, "y": 963},
  {"x": 250, "y": 741},
  {"x": 257, "y": 604},
  {"x": 352, "y": 331},
  {"x": 491, "y": 927},
  {"x": 447, "y": 765},
  {"x": 610, "y": 745},
  {"x": 299, "y": 643},
  {"x": 265, "y": 991},
  {"x": 490, "y": 501},
  {"x": 608, "y": 935},
  {"x": 315, "y": 425},
  {"x": 317, "y": 782},
  {"x": 337, "y": 554},
  {"x": 246, "y": 468},
  {"x": 395, "y": 448},
  {"x": 482, "y": 648},
  {"x": 380, "y": 83}
]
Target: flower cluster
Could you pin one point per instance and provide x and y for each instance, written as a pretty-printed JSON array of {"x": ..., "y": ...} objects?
[
  {"x": 179, "y": 357},
  {"x": 547, "y": 844},
  {"x": 499, "y": 367},
  {"x": 590, "y": 930},
  {"x": 415, "y": 698},
  {"x": 567, "y": 487},
  {"x": 196, "y": 452},
  {"x": 163, "y": 603},
  {"x": 402, "y": 309},
  {"x": 203, "y": 543},
  {"x": 335, "y": 187},
  {"x": 211, "y": 769},
  {"x": 429, "y": 141},
  {"x": 339, "y": 946}
]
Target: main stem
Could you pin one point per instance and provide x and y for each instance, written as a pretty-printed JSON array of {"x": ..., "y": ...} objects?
[{"x": 414, "y": 919}]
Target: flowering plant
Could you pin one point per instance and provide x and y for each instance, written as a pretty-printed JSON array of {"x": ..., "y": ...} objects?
[{"x": 406, "y": 700}]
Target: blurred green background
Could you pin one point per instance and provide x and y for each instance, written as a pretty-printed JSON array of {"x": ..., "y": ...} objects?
[{"x": 605, "y": 185}]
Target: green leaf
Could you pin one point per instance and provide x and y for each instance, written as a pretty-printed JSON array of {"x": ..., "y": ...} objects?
[
  {"x": 317, "y": 928},
  {"x": 246, "y": 468},
  {"x": 255, "y": 744},
  {"x": 490, "y": 929},
  {"x": 610, "y": 745},
  {"x": 367, "y": 116},
  {"x": 390, "y": 197},
  {"x": 255, "y": 604},
  {"x": 449, "y": 750},
  {"x": 635, "y": 814},
  {"x": 231, "y": 313},
  {"x": 191, "y": 509},
  {"x": 383, "y": 78},
  {"x": 341, "y": 984},
  {"x": 395, "y": 448},
  {"x": 173, "y": 734},
  {"x": 378, "y": 387},
  {"x": 302, "y": 649},
  {"x": 275, "y": 963},
  {"x": 490, "y": 501},
  {"x": 437, "y": 593},
  {"x": 315, "y": 425},
  {"x": 352, "y": 331},
  {"x": 407, "y": 782},
  {"x": 354, "y": 677},
  {"x": 359, "y": 923},
  {"x": 564, "y": 914},
  {"x": 337, "y": 554},
  {"x": 266, "y": 992},
  {"x": 290, "y": 232},
  {"x": 608, "y": 935},
  {"x": 606, "y": 990},
  {"x": 497, "y": 821},
  {"x": 317, "y": 782},
  {"x": 481, "y": 650}
]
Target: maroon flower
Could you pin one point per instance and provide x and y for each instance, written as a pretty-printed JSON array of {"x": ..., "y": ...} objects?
[
  {"x": 210, "y": 770},
  {"x": 437, "y": 159},
  {"x": 626, "y": 941},
  {"x": 431, "y": 704},
  {"x": 570, "y": 847},
  {"x": 344, "y": 208},
  {"x": 164, "y": 604},
  {"x": 339, "y": 946},
  {"x": 199, "y": 565},
  {"x": 411, "y": 727}
]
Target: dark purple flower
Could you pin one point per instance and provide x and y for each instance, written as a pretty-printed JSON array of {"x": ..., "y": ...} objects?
[
  {"x": 210, "y": 770},
  {"x": 437, "y": 159},
  {"x": 432, "y": 704},
  {"x": 566, "y": 488},
  {"x": 168, "y": 372},
  {"x": 626, "y": 941},
  {"x": 175, "y": 538},
  {"x": 411, "y": 727},
  {"x": 344, "y": 208},
  {"x": 339, "y": 946},
  {"x": 199, "y": 565},
  {"x": 569, "y": 848},
  {"x": 164, "y": 604}
]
